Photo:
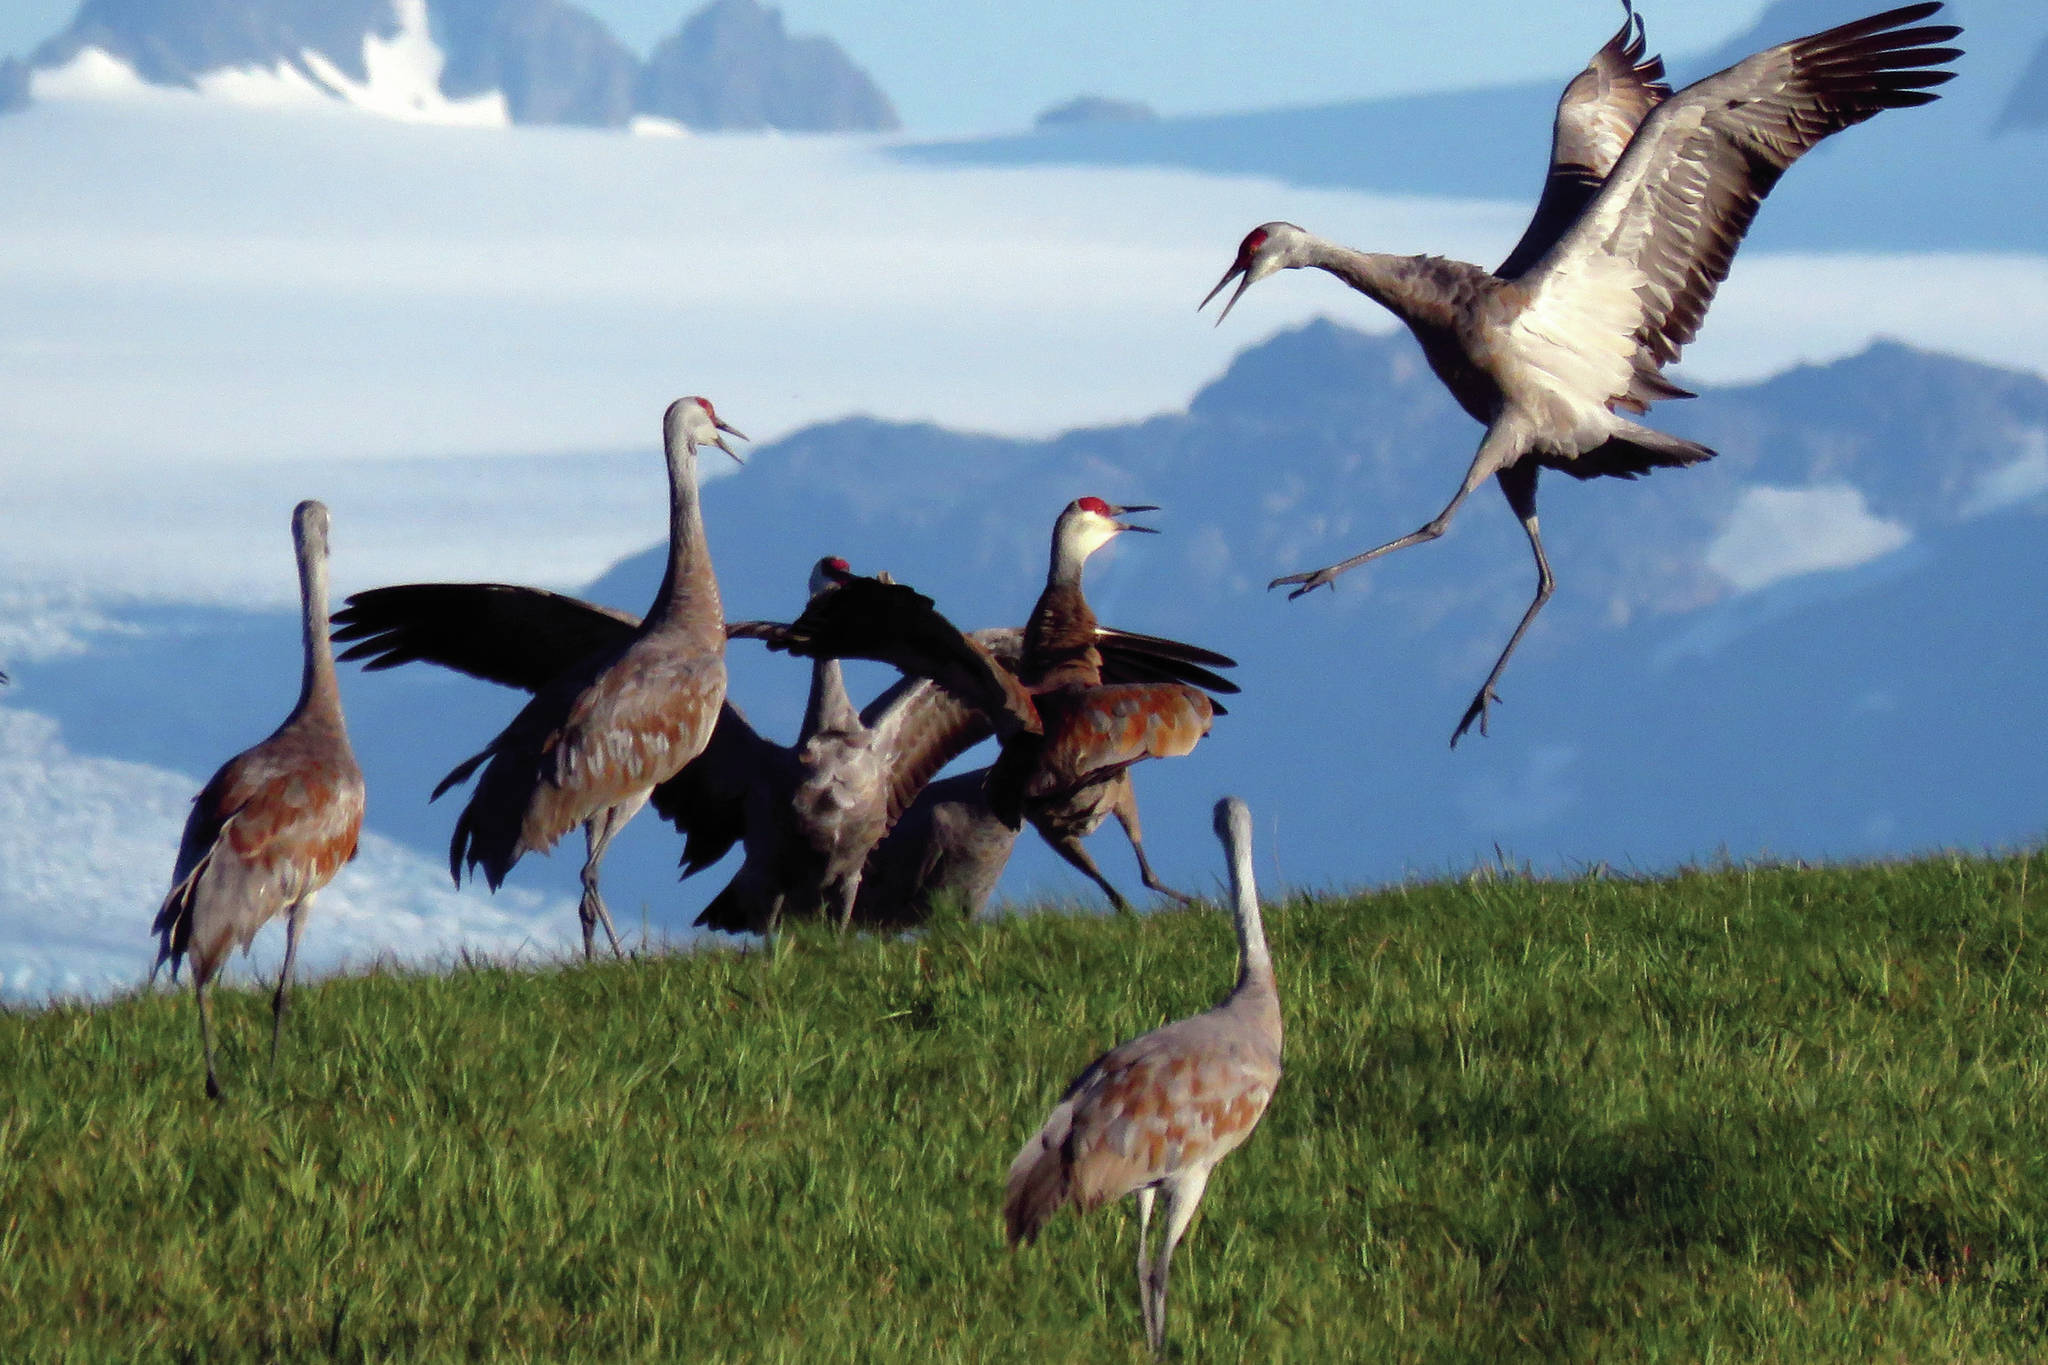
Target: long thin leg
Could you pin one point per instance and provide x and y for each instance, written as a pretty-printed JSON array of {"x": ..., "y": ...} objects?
[
  {"x": 597, "y": 837},
  {"x": 1495, "y": 451},
  {"x": 1068, "y": 847},
  {"x": 205, "y": 1034},
  {"x": 1182, "y": 1196},
  {"x": 282, "y": 1000},
  {"x": 1518, "y": 482},
  {"x": 1144, "y": 1286},
  {"x": 1126, "y": 811}
]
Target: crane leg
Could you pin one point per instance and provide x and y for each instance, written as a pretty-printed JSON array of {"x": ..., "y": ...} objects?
[
  {"x": 1181, "y": 1198},
  {"x": 1126, "y": 810},
  {"x": 281, "y": 1002},
  {"x": 597, "y": 837},
  {"x": 206, "y": 1034},
  {"x": 844, "y": 893},
  {"x": 1068, "y": 847},
  {"x": 1501, "y": 445},
  {"x": 1144, "y": 1281},
  {"x": 1518, "y": 482}
]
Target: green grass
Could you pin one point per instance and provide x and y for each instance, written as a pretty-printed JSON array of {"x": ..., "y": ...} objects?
[{"x": 1769, "y": 1114}]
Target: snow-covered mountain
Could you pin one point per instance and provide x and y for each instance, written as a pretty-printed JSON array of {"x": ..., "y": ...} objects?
[
  {"x": 479, "y": 62},
  {"x": 1813, "y": 645}
]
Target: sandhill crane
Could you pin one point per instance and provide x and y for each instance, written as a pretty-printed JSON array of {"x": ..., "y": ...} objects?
[
  {"x": 1105, "y": 699},
  {"x": 1155, "y": 1115},
  {"x": 952, "y": 846},
  {"x": 595, "y": 742},
  {"x": 1648, "y": 196},
  {"x": 808, "y": 815},
  {"x": 273, "y": 825}
]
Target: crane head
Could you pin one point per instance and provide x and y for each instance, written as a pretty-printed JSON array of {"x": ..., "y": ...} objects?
[
  {"x": 829, "y": 572},
  {"x": 1264, "y": 250},
  {"x": 694, "y": 422},
  {"x": 1088, "y": 524}
]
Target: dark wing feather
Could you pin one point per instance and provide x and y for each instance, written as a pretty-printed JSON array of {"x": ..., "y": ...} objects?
[
  {"x": 1597, "y": 115},
  {"x": 707, "y": 800},
  {"x": 1685, "y": 192},
  {"x": 517, "y": 637}
]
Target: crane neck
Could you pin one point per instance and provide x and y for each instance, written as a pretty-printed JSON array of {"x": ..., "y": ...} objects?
[
  {"x": 829, "y": 708},
  {"x": 688, "y": 595},
  {"x": 319, "y": 691},
  {"x": 1390, "y": 281},
  {"x": 1257, "y": 991}
]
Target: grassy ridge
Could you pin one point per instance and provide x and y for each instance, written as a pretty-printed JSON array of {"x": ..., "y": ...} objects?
[{"x": 1741, "y": 1114}]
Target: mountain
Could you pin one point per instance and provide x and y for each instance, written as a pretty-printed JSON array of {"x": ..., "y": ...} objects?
[
  {"x": 1095, "y": 109},
  {"x": 1926, "y": 179},
  {"x": 1814, "y": 645},
  {"x": 733, "y": 66},
  {"x": 462, "y": 61}
]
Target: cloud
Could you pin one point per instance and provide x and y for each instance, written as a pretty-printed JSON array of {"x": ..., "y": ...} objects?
[
  {"x": 86, "y": 847},
  {"x": 1780, "y": 533}
]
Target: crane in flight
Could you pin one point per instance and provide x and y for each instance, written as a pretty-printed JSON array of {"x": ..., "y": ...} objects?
[{"x": 1649, "y": 194}]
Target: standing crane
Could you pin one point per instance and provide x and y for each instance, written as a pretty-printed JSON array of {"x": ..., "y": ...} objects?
[
  {"x": 1154, "y": 1115},
  {"x": 594, "y": 742},
  {"x": 1649, "y": 194},
  {"x": 274, "y": 825}
]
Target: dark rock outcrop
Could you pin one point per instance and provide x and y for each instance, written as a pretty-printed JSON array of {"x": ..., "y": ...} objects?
[{"x": 732, "y": 66}]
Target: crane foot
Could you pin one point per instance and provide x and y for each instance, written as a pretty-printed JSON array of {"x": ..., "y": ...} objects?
[
  {"x": 1476, "y": 711},
  {"x": 1308, "y": 582}
]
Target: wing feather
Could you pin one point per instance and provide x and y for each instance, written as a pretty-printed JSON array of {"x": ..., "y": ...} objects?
[{"x": 1667, "y": 222}]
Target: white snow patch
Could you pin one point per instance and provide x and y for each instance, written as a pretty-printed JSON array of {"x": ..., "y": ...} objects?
[
  {"x": 86, "y": 847},
  {"x": 283, "y": 86},
  {"x": 403, "y": 81},
  {"x": 653, "y": 125},
  {"x": 1779, "y": 533},
  {"x": 2023, "y": 479},
  {"x": 92, "y": 74},
  {"x": 405, "y": 78}
]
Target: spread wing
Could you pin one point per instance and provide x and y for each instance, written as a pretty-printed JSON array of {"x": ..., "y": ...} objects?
[
  {"x": 1625, "y": 289},
  {"x": 517, "y": 637},
  {"x": 1597, "y": 116}
]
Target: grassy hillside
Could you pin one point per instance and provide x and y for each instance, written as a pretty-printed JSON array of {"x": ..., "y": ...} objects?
[{"x": 1742, "y": 1114}]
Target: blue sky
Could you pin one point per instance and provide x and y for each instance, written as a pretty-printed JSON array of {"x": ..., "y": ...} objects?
[{"x": 981, "y": 67}]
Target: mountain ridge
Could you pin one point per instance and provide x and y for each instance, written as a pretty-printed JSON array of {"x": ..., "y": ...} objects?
[{"x": 731, "y": 65}]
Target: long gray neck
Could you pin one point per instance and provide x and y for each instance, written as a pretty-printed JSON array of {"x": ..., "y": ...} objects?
[
  {"x": 829, "y": 708},
  {"x": 318, "y": 689},
  {"x": 1257, "y": 992},
  {"x": 1391, "y": 281},
  {"x": 1067, "y": 563},
  {"x": 688, "y": 595}
]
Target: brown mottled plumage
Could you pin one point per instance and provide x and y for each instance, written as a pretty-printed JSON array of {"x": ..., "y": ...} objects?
[
  {"x": 1155, "y": 1115},
  {"x": 1649, "y": 195},
  {"x": 274, "y": 825},
  {"x": 595, "y": 742}
]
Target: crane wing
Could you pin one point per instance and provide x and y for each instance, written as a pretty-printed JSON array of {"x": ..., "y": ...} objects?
[
  {"x": 1597, "y": 115},
  {"x": 707, "y": 800},
  {"x": 517, "y": 637},
  {"x": 1624, "y": 290}
]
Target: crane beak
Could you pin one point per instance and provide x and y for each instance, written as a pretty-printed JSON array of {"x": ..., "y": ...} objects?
[
  {"x": 1231, "y": 274},
  {"x": 1126, "y": 526},
  {"x": 733, "y": 431}
]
